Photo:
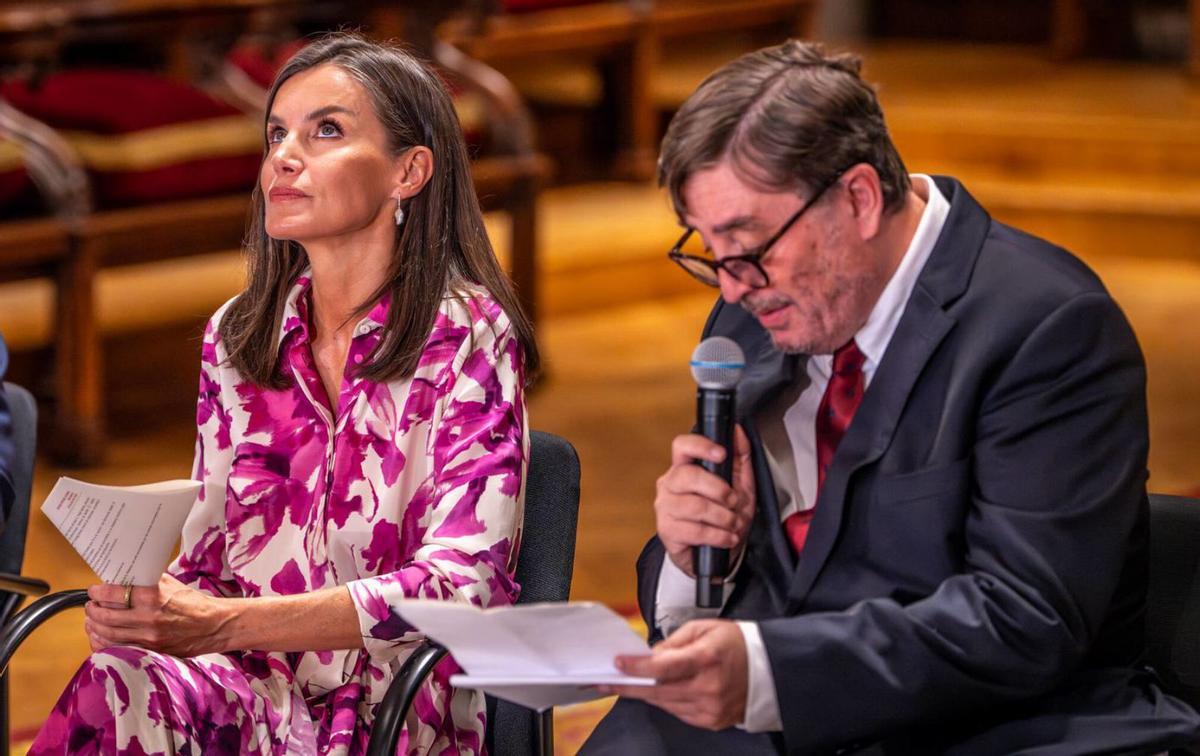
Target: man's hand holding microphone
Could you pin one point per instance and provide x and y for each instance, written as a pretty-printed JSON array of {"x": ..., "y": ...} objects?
[
  {"x": 703, "y": 508},
  {"x": 694, "y": 507}
]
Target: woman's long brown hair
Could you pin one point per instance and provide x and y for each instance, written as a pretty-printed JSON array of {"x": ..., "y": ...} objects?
[{"x": 441, "y": 247}]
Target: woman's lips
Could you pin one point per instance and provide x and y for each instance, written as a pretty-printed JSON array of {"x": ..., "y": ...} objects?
[{"x": 284, "y": 193}]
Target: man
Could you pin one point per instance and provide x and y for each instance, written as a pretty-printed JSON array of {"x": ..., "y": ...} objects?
[
  {"x": 938, "y": 507},
  {"x": 6, "y": 444}
]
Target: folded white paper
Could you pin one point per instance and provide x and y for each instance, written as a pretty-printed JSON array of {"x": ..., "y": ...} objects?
[
  {"x": 125, "y": 533},
  {"x": 536, "y": 655}
]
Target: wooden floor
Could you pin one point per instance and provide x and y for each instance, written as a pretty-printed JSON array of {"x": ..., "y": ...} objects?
[{"x": 620, "y": 324}]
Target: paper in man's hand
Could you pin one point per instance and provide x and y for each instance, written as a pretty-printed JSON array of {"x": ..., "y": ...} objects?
[{"x": 536, "y": 655}]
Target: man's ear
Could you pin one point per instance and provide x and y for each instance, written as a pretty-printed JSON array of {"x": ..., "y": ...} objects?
[
  {"x": 414, "y": 168},
  {"x": 866, "y": 199}
]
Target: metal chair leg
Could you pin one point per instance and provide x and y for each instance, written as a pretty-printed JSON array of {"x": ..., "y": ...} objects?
[
  {"x": 389, "y": 716},
  {"x": 16, "y": 630},
  {"x": 545, "y": 732},
  {"x": 20, "y": 626},
  {"x": 4, "y": 731}
]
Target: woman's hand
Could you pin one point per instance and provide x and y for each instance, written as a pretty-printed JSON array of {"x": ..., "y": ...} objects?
[{"x": 170, "y": 618}]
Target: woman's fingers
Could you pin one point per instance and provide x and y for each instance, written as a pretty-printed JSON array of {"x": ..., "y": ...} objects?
[
  {"x": 112, "y": 596},
  {"x": 126, "y": 618}
]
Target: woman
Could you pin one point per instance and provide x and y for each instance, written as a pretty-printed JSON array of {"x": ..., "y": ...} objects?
[{"x": 362, "y": 441}]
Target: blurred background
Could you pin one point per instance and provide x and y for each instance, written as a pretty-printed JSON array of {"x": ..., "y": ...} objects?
[{"x": 130, "y": 134}]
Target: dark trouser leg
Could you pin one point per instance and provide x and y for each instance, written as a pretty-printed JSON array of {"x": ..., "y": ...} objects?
[{"x": 633, "y": 727}]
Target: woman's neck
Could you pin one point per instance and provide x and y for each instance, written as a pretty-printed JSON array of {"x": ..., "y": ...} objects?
[{"x": 344, "y": 276}]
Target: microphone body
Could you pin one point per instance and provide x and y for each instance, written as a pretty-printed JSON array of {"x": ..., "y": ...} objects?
[
  {"x": 717, "y": 365},
  {"x": 714, "y": 416}
]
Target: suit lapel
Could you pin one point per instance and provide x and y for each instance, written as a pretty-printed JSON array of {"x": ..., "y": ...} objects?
[
  {"x": 768, "y": 373},
  {"x": 775, "y": 466},
  {"x": 921, "y": 329}
]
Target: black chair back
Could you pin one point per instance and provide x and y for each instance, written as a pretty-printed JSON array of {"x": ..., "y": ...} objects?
[
  {"x": 544, "y": 568},
  {"x": 23, "y": 410},
  {"x": 1173, "y": 603}
]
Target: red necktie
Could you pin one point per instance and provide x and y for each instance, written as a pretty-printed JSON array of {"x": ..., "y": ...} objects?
[{"x": 842, "y": 397}]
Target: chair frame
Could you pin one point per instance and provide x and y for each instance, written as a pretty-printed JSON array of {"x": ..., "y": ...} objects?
[
  {"x": 23, "y": 410},
  {"x": 389, "y": 719},
  {"x": 14, "y": 587},
  {"x": 1173, "y": 602},
  {"x": 390, "y": 716}
]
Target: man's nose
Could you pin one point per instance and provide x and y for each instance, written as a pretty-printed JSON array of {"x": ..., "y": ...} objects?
[{"x": 732, "y": 290}]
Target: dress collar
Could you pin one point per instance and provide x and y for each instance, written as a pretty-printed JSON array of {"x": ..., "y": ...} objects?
[{"x": 296, "y": 312}]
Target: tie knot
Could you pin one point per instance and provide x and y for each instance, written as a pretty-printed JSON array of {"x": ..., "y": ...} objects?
[{"x": 848, "y": 359}]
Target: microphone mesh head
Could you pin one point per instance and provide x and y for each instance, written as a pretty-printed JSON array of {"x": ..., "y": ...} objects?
[{"x": 717, "y": 363}]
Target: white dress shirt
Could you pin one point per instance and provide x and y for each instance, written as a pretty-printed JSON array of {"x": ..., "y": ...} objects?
[{"x": 674, "y": 601}]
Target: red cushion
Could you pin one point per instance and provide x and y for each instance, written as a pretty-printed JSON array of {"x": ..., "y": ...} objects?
[
  {"x": 208, "y": 177},
  {"x": 527, "y": 6},
  {"x": 112, "y": 101},
  {"x": 145, "y": 138},
  {"x": 261, "y": 63}
]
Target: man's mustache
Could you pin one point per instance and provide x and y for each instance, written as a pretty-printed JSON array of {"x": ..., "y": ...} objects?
[{"x": 758, "y": 305}]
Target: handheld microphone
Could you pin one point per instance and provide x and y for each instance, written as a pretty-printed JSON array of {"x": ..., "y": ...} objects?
[{"x": 717, "y": 365}]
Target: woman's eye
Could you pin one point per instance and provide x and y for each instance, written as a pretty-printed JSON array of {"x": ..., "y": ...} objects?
[
  {"x": 328, "y": 129},
  {"x": 275, "y": 136}
]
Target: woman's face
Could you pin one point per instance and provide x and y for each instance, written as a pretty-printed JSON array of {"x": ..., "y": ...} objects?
[{"x": 328, "y": 172}]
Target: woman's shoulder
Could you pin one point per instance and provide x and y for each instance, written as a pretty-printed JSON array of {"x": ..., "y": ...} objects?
[
  {"x": 474, "y": 307},
  {"x": 469, "y": 321},
  {"x": 214, "y": 322},
  {"x": 215, "y": 319}
]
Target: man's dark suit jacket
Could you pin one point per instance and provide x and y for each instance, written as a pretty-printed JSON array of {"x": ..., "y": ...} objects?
[
  {"x": 6, "y": 443},
  {"x": 974, "y": 577}
]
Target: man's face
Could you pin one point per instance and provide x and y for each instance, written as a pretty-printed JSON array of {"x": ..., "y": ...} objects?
[{"x": 823, "y": 280}]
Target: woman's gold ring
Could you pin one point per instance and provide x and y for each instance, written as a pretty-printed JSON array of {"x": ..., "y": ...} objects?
[{"x": 129, "y": 596}]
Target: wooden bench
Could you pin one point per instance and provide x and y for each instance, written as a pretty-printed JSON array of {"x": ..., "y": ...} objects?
[
  {"x": 624, "y": 40},
  {"x": 1069, "y": 31}
]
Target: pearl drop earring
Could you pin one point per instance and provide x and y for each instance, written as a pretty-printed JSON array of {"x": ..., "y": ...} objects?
[{"x": 399, "y": 213}]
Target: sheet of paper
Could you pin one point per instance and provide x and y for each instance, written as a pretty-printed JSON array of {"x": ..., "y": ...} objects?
[
  {"x": 125, "y": 534},
  {"x": 536, "y": 655}
]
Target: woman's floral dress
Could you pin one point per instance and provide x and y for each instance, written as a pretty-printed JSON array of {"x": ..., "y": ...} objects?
[{"x": 407, "y": 489}]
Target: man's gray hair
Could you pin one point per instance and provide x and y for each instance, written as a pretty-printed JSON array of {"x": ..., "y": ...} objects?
[{"x": 786, "y": 117}]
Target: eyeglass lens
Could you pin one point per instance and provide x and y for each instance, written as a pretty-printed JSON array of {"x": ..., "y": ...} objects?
[{"x": 704, "y": 270}]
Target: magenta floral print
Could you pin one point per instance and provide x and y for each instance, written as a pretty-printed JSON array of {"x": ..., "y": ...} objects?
[{"x": 407, "y": 489}]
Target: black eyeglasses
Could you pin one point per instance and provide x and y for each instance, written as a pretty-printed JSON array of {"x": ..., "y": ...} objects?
[{"x": 746, "y": 268}]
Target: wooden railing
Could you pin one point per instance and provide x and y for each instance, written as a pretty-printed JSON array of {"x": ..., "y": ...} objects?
[
  {"x": 624, "y": 38},
  {"x": 1069, "y": 31}
]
